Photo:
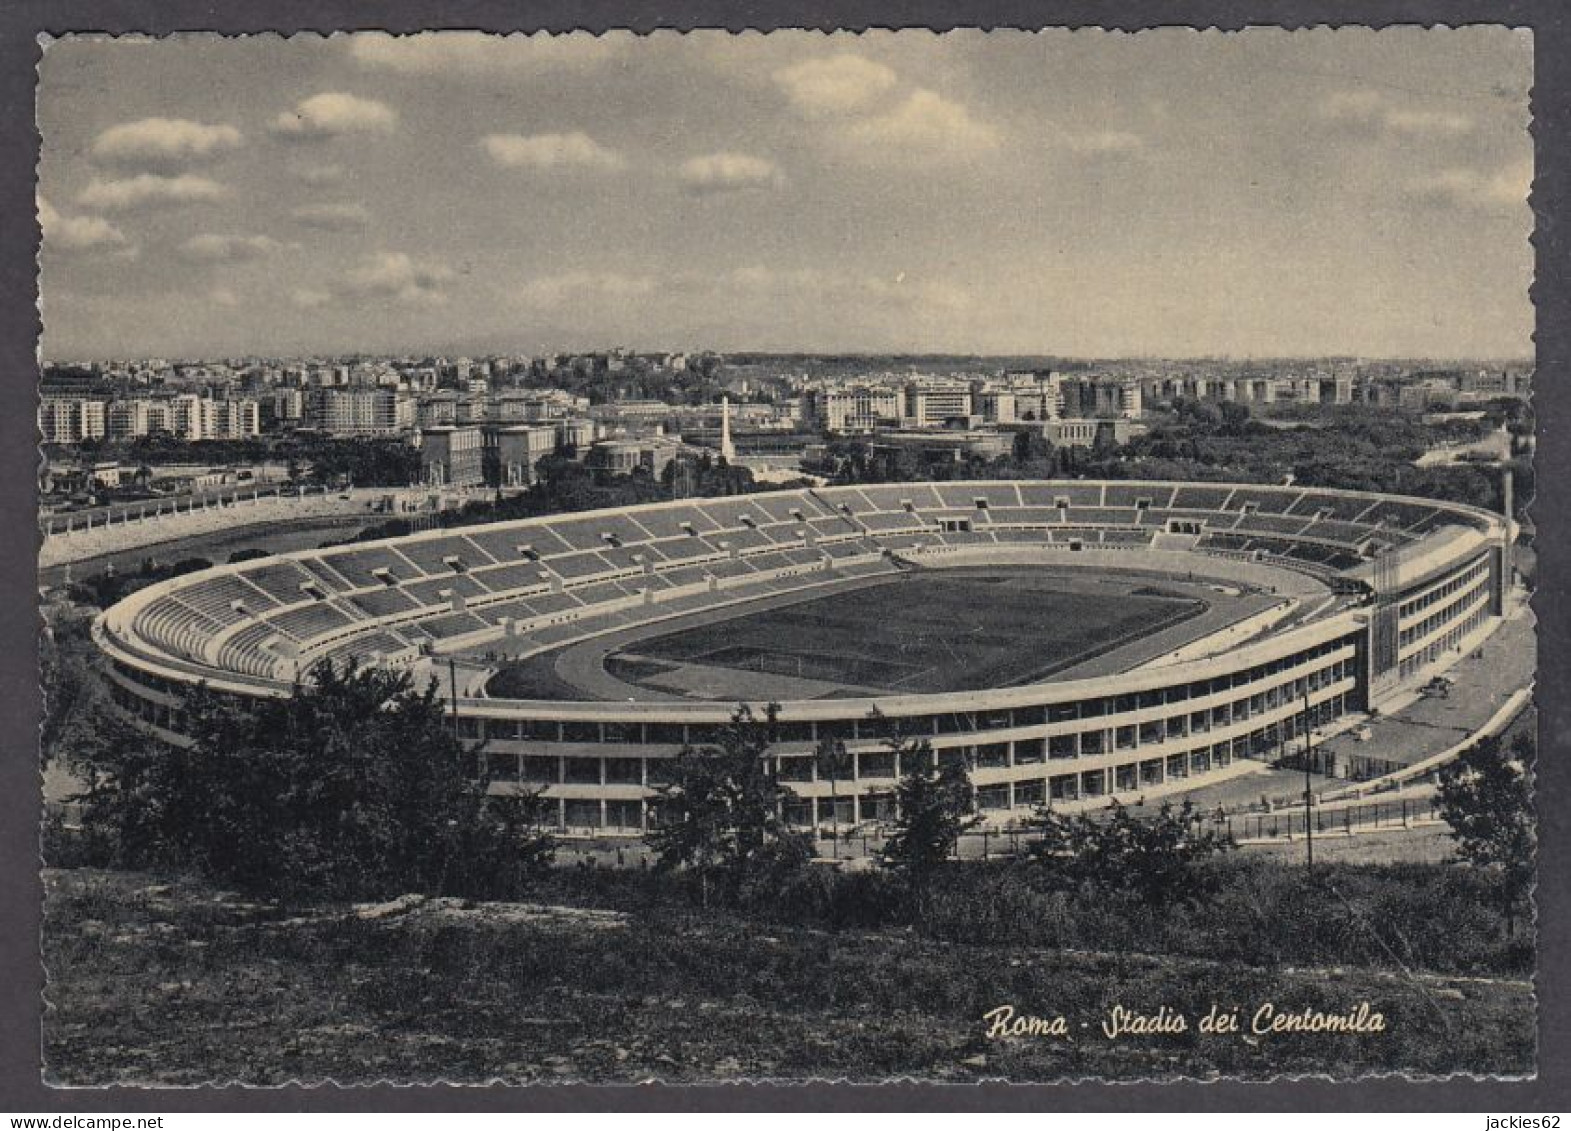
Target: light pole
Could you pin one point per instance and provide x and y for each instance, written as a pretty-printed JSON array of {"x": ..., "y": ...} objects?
[{"x": 1309, "y": 831}]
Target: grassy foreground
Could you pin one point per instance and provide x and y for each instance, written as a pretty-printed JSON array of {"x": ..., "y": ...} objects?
[{"x": 170, "y": 982}]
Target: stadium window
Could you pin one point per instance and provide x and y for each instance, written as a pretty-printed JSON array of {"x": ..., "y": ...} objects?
[
  {"x": 1152, "y": 732},
  {"x": 583, "y": 814},
  {"x": 1064, "y": 787},
  {"x": 1200, "y": 761},
  {"x": 1178, "y": 765},
  {"x": 620, "y": 732},
  {"x": 992, "y": 755},
  {"x": 1127, "y": 777},
  {"x": 875, "y": 764},
  {"x": 1030, "y": 792},
  {"x": 796, "y": 732},
  {"x": 796, "y": 769},
  {"x": 992, "y": 797},
  {"x": 542, "y": 771},
  {"x": 581, "y": 771},
  {"x": 1030, "y": 751},
  {"x": 664, "y": 734},
  {"x": 580, "y": 732},
  {"x": 1029, "y": 716},
  {"x": 624, "y": 814},
  {"x": 1062, "y": 746},
  {"x": 1124, "y": 738},
  {"x": 955, "y": 757},
  {"x": 624, "y": 771},
  {"x": 1151, "y": 771},
  {"x": 1092, "y": 742},
  {"x": 502, "y": 767},
  {"x": 1063, "y": 712}
]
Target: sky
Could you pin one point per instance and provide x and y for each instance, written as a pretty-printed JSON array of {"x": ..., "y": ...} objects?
[{"x": 1166, "y": 193}]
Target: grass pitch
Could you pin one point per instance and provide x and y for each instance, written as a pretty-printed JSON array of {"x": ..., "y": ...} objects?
[{"x": 955, "y": 630}]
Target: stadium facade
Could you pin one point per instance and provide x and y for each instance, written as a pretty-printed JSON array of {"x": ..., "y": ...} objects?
[{"x": 1379, "y": 594}]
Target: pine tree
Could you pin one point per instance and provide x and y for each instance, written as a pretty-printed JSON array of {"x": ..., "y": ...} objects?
[
  {"x": 353, "y": 787},
  {"x": 1486, "y": 796},
  {"x": 720, "y": 816},
  {"x": 932, "y": 809}
]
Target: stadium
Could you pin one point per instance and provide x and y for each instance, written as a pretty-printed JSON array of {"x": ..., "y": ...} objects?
[{"x": 1070, "y": 641}]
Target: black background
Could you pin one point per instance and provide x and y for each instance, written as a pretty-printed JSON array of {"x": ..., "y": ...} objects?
[{"x": 21, "y": 974}]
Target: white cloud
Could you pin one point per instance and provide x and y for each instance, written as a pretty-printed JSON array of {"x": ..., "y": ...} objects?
[
  {"x": 847, "y": 292},
  {"x": 836, "y": 85},
  {"x": 396, "y": 275},
  {"x": 211, "y": 247},
  {"x": 319, "y": 175},
  {"x": 575, "y": 150},
  {"x": 552, "y": 291},
  {"x": 1373, "y": 110},
  {"x": 1104, "y": 141},
  {"x": 1428, "y": 122},
  {"x": 924, "y": 127},
  {"x": 392, "y": 276},
  {"x": 1466, "y": 188},
  {"x": 147, "y": 190},
  {"x": 469, "y": 53},
  {"x": 309, "y": 299},
  {"x": 162, "y": 144},
  {"x": 332, "y": 217},
  {"x": 333, "y": 115},
  {"x": 728, "y": 172},
  {"x": 79, "y": 233}
]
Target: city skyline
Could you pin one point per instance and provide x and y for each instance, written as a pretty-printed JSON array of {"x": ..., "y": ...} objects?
[{"x": 1167, "y": 194}]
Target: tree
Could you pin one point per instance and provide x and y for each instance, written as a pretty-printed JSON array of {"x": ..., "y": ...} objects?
[
  {"x": 720, "y": 815},
  {"x": 353, "y": 787},
  {"x": 932, "y": 808},
  {"x": 1151, "y": 858},
  {"x": 1486, "y": 796},
  {"x": 833, "y": 762}
]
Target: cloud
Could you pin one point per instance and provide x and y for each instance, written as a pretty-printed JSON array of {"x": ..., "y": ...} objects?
[
  {"x": 80, "y": 233},
  {"x": 1470, "y": 189},
  {"x": 469, "y": 54},
  {"x": 148, "y": 190},
  {"x": 837, "y": 85},
  {"x": 332, "y": 217},
  {"x": 845, "y": 291},
  {"x": 1104, "y": 141},
  {"x": 1372, "y": 110},
  {"x": 395, "y": 275},
  {"x": 392, "y": 276},
  {"x": 333, "y": 115},
  {"x": 551, "y": 291},
  {"x": 924, "y": 127},
  {"x": 162, "y": 145},
  {"x": 749, "y": 292},
  {"x": 211, "y": 247},
  {"x": 728, "y": 172},
  {"x": 319, "y": 175},
  {"x": 551, "y": 151}
]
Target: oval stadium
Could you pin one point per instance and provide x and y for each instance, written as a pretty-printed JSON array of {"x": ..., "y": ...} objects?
[{"x": 1071, "y": 641}]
